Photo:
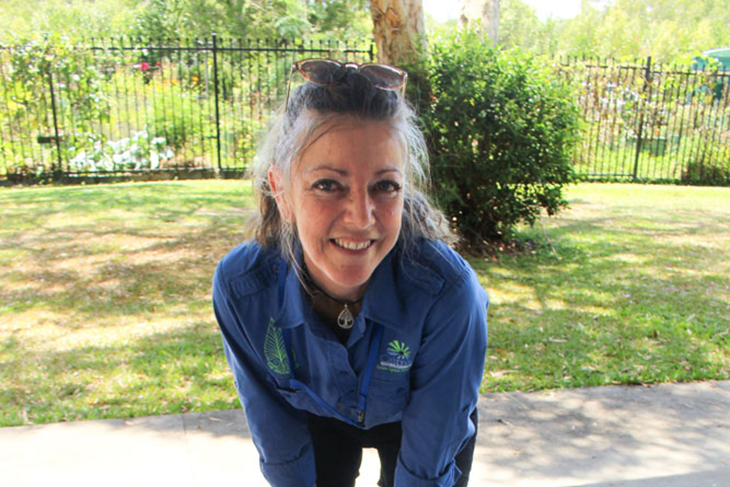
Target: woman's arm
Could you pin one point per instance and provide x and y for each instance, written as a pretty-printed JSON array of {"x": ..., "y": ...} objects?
[
  {"x": 279, "y": 431},
  {"x": 445, "y": 380}
]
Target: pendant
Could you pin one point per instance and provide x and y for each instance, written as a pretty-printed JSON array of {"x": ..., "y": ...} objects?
[{"x": 345, "y": 319}]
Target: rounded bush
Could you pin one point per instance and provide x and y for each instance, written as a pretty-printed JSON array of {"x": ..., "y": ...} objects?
[{"x": 501, "y": 129}]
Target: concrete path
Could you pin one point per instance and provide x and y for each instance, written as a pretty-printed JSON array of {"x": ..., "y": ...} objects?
[{"x": 667, "y": 435}]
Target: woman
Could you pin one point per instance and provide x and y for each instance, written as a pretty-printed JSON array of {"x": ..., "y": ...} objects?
[{"x": 349, "y": 322}]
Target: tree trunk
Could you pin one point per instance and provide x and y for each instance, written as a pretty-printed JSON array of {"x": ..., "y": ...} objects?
[
  {"x": 399, "y": 31},
  {"x": 485, "y": 14}
]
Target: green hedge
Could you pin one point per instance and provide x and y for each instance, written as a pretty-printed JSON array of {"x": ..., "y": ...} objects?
[{"x": 501, "y": 129}]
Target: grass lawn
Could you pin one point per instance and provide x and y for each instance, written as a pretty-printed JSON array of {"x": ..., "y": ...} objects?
[
  {"x": 105, "y": 309},
  {"x": 635, "y": 289}
]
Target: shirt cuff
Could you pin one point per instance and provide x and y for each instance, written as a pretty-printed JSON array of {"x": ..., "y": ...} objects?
[
  {"x": 299, "y": 472},
  {"x": 406, "y": 478}
]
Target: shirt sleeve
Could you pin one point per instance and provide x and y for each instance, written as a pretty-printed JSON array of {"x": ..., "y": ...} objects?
[
  {"x": 279, "y": 431},
  {"x": 445, "y": 380}
]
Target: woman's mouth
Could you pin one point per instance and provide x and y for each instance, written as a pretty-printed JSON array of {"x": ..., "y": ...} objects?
[{"x": 353, "y": 244}]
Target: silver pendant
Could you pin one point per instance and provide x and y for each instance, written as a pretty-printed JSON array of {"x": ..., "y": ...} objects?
[{"x": 345, "y": 319}]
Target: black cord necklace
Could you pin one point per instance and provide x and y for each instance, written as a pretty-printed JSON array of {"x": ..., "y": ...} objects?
[{"x": 345, "y": 319}]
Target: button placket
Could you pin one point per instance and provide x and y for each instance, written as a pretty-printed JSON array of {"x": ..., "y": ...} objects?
[{"x": 344, "y": 377}]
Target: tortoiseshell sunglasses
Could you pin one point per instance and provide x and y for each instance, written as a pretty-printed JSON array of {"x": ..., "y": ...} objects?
[{"x": 324, "y": 72}]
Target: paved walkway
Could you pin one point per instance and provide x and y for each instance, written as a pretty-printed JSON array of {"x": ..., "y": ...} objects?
[{"x": 667, "y": 435}]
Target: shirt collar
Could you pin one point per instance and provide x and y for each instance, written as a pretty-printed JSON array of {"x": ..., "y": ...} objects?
[
  {"x": 384, "y": 300},
  {"x": 293, "y": 303},
  {"x": 383, "y": 303}
]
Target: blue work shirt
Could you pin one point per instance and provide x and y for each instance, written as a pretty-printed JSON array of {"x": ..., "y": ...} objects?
[{"x": 422, "y": 321}]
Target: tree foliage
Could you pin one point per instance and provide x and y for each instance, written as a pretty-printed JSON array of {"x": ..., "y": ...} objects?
[
  {"x": 21, "y": 19},
  {"x": 273, "y": 19},
  {"x": 501, "y": 128},
  {"x": 667, "y": 30},
  {"x": 482, "y": 15}
]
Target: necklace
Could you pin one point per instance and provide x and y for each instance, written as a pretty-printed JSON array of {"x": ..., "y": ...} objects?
[{"x": 345, "y": 319}]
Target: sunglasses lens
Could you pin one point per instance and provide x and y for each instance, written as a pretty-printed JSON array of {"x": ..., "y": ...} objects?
[
  {"x": 319, "y": 71},
  {"x": 384, "y": 77},
  {"x": 324, "y": 72}
]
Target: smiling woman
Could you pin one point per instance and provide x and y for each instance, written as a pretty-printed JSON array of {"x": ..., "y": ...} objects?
[
  {"x": 346, "y": 194},
  {"x": 349, "y": 322}
]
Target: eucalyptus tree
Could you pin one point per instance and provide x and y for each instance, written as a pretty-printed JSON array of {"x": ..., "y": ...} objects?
[
  {"x": 484, "y": 14},
  {"x": 399, "y": 31}
]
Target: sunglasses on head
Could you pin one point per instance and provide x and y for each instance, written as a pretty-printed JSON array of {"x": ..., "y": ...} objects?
[{"x": 324, "y": 72}]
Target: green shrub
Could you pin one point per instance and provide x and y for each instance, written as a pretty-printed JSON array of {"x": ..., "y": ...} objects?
[
  {"x": 80, "y": 86},
  {"x": 710, "y": 167},
  {"x": 501, "y": 130},
  {"x": 177, "y": 119}
]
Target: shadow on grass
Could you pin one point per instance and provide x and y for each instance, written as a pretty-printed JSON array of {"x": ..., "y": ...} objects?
[
  {"x": 615, "y": 303},
  {"x": 164, "y": 373},
  {"x": 87, "y": 271},
  {"x": 625, "y": 298},
  {"x": 89, "y": 265}
]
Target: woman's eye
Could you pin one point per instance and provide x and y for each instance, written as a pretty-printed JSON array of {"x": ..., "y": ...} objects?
[
  {"x": 387, "y": 186},
  {"x": 326, "y": 185}
]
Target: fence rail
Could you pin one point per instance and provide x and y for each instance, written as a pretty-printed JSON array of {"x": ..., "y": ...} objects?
[
  {"x": 647, "y": 122},
  {"x": 123, "y": 106}
]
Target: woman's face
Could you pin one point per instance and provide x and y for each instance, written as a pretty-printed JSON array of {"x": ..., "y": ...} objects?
[{"x": 345, "y": 197}]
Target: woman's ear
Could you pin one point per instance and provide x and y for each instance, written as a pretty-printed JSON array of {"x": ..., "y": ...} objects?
[{"x": 277, "y": 188}]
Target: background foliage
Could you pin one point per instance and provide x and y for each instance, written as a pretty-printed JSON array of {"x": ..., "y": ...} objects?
[
  {"x": 672, "y": 31},
  {"x": 119, "y": 105},
  {"x": 501, "y": 129},
  {"x": 281, "y": 19}
]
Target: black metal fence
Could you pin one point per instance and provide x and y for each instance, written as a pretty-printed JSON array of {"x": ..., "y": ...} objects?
[
  {"x": 648, "y": 122},
  {"x": 121, "y": 106}
]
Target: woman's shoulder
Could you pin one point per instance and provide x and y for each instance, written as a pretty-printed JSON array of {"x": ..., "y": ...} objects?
[
  {"x": 248, "y": 268},
  {"x": 435, "y": 263},
  {"x": 435, "y": 280}
]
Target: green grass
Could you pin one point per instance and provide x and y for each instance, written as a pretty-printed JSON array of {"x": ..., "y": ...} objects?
[
  {"x": 635, "y": 289},
  {"x": 105, "y": 299},
  {"x": 105, "y": 309}
]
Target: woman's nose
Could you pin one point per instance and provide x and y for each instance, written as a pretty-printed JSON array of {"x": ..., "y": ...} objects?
[{"x": 360, "y": 211}]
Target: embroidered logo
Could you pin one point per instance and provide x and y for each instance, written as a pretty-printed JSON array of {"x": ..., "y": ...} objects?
[
  {"x": 397, "y": 358},
  {"x": 274, "y": 350}
]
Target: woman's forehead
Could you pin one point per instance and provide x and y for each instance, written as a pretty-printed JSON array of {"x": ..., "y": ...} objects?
[
  {"x": 320, "y": 124},
  {"x": 339, "y": 135}
]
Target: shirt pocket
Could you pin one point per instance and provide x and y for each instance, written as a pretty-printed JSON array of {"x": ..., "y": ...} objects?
[{"x": 389, "y": 397}]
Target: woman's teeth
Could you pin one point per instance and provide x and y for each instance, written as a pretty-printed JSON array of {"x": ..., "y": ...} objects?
[{"x": 353, "y": 245}]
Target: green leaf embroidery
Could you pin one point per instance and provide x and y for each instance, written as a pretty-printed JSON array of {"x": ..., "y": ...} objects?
[
  {"x": 274, "y": 350},
  {"x": 399, "y": 348}
]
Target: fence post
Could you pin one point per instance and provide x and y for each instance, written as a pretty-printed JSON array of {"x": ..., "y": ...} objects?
[
  {"x": 217, "y": 111},
  {"x": 647, "y": 80},
  {"x": 55, "y": 124}
]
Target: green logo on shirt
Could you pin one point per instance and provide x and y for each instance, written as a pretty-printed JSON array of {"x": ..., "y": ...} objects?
[
  {"x": 397, "y": 358},
  {"x": 274, "y": 350},
  {"x": 399, "y": 349}
]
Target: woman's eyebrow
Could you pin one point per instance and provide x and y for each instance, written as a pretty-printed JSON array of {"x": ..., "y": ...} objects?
[
  {"x": 326, "y": 168},
  {"x": 343, "y": 172},
  {"x": 387, "y": 170}
]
